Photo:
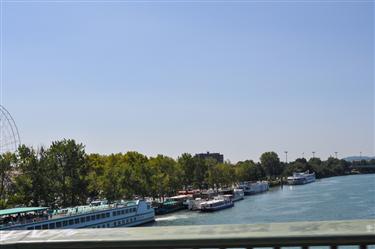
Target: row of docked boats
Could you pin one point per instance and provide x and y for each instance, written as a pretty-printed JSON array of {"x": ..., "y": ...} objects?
[{"x": 209, "y": 200}]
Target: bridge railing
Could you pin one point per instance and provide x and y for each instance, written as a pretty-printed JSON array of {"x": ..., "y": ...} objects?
[{"x": 360, "y": 233}]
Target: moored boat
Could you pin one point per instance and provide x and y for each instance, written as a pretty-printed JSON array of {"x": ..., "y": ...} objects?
[
  {"x": 251, "y": 188},
  {"x": 167, "y": 207},
  {"x": 237, "y": 193},
  {"x": 299, "y": 178},
  {"x": 218, "y": 203},
  {"x": 98, "y": 214}
]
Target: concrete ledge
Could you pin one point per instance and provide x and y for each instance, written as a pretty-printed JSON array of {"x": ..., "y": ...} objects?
[{"x": 354, "y": 232}]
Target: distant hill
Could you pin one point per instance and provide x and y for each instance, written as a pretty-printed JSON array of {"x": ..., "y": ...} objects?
[{"x": 358, "y": 158}]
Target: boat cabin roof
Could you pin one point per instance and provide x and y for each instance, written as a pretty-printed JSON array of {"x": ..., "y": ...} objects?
[{"x": 21, "y": 210}]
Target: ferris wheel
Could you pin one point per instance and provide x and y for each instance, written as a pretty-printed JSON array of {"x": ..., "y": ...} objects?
[{"x": 9, "y": 136}]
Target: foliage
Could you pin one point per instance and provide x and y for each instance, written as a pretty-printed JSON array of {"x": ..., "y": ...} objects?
[
  {"x": 271, "y": 164},
  {"x": 64, "y": 175}
]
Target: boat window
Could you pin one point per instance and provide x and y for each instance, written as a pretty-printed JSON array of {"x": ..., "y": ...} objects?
[
  {"x": 88, "y": 218},
  {"x": 65, "y": 223},
  {"x": 107, "y": 215},
  {"x": 103, "y": 226},
  {"x": 58, "y": 224},
  {"x": 92, "y": 217},
  {"x": 122, "y": 211},
  {"x": 134, "y": 209},
  {"x": 103, "y": 215},
  {"x": 45, "y": 226},
  {"x": 37, "y": 227},
  {"x": 82, "y": 219},
  {"x": 76, "y": 221},
  {"x": 98, "y": 216},
  {"x": 107, "y": 224},
  {"x": 126, "y": 211},
  {"x": 118, "y": 212},
  {"x": 51, "y": 225},
  {"x": 114, "y": 213},
  {"x": 115, "y": 223},
  {"x": 71, "y": 222},
  {"x": 30, "y": 228}
]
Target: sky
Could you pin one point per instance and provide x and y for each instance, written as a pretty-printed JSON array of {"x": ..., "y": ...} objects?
[{"x": 168, "y": 77}]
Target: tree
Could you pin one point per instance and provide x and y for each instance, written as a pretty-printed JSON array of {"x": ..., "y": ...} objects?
[
  {"x": 271, "y": 164},
  {"x": 248, "y": 171},
  {"x": 188, "y": 165},
  {"x": 113, "y": 177},
  {"x": 69, "y": 162},
  {"x": 6, "y": 173},
  {"x": 138, "y": 174},
  {"x": 34, "y": 182},
  {"x": 95, "y": 176},
  {"x": 166, "y": 176}
]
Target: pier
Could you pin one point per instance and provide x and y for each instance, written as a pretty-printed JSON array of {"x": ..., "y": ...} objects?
[{"x": 360, "y": 233}]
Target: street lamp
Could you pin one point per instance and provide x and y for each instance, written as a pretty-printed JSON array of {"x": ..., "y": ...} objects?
[{"x": 286, "y": 156}]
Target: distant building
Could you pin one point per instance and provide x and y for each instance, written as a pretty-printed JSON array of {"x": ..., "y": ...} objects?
[{"x": 217, "y": 156}]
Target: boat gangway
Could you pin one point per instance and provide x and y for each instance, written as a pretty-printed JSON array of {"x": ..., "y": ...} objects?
[{"x": 304, "y": 235}]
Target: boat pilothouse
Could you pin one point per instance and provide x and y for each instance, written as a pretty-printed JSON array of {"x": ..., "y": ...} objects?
[
  {"x": 299, "y": 178},
  {"x": 98, "y": 214}
]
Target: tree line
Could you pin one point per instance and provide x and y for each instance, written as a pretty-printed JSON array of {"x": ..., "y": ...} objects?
[{"x": 65, "y": 175}]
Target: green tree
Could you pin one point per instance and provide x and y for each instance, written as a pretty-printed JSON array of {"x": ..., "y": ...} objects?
[
  {"x": 188, "y": 165},
  {"x": 271, "y": 164},
  {"x": 6, "y": 173},
  {"x": 34, "y": 183},
  {"x": 68, "y": 160},
  {"x": 248, "y": 171},
  {"x": 166, "y": 176},
  {"x": 113, "y": 178}
]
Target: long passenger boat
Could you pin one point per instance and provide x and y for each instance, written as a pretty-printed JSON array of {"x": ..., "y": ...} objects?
[
  {"x": 218, "y": 203},
  {"x": 98, "y": 214},
  {"x": 301, "y": 178}
]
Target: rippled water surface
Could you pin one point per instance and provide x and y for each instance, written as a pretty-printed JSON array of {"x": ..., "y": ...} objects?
[{"x": 336, "y": 198}]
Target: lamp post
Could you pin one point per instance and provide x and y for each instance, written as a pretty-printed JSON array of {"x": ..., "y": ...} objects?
[
  {"x": 286, "y": 157},
  {"x": 313, "y": 154}
]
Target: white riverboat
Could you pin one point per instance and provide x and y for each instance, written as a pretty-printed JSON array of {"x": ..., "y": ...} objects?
[
  {"x": 301, "y": 178},
  {"x": 251, "y": 188},
  {"x": 96, "y": 215},
  {"x": 237, "y": 193},
  {"x": 218, "y": 203}
]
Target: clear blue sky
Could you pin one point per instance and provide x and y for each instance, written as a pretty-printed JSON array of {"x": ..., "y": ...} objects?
[{"x": 239, "y": 78}]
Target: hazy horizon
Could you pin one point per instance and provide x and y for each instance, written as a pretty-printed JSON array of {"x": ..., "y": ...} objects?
[{"x": 238, "y": 78}]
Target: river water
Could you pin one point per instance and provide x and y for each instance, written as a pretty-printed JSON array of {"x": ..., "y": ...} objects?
[{"x": 337, "y": 198}]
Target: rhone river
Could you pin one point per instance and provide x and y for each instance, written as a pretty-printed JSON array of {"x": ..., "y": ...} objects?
[{"x": 336, "y": 198}]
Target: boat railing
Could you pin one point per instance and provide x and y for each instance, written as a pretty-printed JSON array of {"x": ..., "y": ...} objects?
[
  {"x": 23, "y": 221},
  {"x": 70, "y": 212},
  {"x": 304, "y": 235}
]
